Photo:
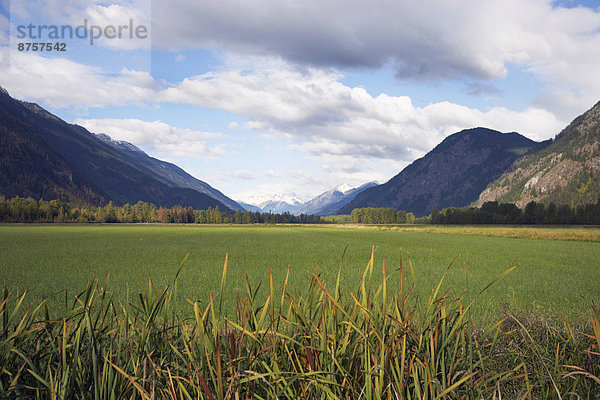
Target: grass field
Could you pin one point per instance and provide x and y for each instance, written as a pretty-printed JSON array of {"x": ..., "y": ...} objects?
[
  {"x": 559, "y": 277},
  {"x": 579, "y": 233}
]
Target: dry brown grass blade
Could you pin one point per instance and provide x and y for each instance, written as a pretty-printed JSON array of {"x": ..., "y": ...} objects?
[{"x": 205, "y": 386}]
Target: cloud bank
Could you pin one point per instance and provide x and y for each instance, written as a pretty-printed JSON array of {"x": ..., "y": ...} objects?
[
  {"x": 157, "y": 136},
  {"x": 310, "y": 107}
]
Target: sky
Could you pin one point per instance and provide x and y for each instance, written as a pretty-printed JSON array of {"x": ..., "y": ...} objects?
[{"x": 292, "y": 98}]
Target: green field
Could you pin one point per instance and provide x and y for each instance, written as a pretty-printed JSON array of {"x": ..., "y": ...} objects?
[{"x": 556, "y": 276}]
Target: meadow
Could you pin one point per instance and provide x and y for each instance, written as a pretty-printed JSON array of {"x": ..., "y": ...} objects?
[
  {"x": 554, "y": 276},
  {"x": 326, "y": 312}
]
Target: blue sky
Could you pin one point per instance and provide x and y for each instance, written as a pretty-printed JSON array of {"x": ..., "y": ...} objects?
[{"x": 264, "y": 97}]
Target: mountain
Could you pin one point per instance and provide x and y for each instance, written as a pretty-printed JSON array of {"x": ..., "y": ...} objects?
[
  {"x": 327, "y": 203},
  {"x": 249, "y": 207},
  {"x": 330, "y": 202},
  {"x": 45, "y": 157},
  {"x": 167, "y": 172},
  {"x": 280, "y": 206},
  {"x": 566, "y": 171},
  {"x": 453, "y": 174},
  {"x": 278, "y": 203},
  {"x": 30, "y": 168}
]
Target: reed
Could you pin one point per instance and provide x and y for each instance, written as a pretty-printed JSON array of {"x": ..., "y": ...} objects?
[{"x": 367, "y": 343}]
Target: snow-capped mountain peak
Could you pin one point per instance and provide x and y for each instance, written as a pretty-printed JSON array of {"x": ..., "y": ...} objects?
[
  {"x": 327, "y": 203},
  {"x": 343, "y": 188},
  {"x": 276, "y": 203},
  {"x": 290, "y": 198},
  {"x": 330, "y": 202},
  {"x": 121, "y": 144},
  {"x": 267, "y": 203}
]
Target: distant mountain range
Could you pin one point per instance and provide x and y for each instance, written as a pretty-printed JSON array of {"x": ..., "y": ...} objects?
[
  {"x": 453, "y": 174},
  {"x": 249, "y": 207},
  {"x": 279, "y": 206},
  {"x": 330, "y": 202},
  {"x": 43, "y": 156},
  {"x": 327, "y": 203},
  {"x": 565, "y": 171},
  {"x": 277, "y": 203}
]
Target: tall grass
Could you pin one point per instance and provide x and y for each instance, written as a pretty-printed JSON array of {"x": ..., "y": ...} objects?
[{"x": 362, "y": 344}]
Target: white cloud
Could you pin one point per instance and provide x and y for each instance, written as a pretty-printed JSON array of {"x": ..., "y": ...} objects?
[
  {"x": 303, "y": 185},
  {"x": 131, "y": 22},
  {"x": 62, "y": 83},
  {"x": 233, "y": 125},
  {"x": 429, "y": 39},
  {"x": 244, "y": 174},
  {"x": 4, "y": 30},
  {"x": 99, "y": 13},
  {"x": 157, "y": 136},
  {"x": 321, "y": 116},
  {"x": 310, "y": 107},
  {"x": 425, "y": 39},
  {"x": 180, "y": 58}
]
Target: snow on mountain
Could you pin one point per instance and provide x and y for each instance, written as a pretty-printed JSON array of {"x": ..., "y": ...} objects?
[
  {"x": 277, "y": 203},
  {"x": 343, "y": 188},
  {"x": 330, "y": 202},
  {"x": 279, "y": 207},
  {"x": 120, "y": 144},
  {"x": 327, "y": 203},
  {"x": 288, "y": 197}
]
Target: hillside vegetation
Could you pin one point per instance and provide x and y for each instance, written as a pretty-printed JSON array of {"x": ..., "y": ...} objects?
[
  {"x": 567, "y": 171},
  {"x": 453, "y": 174}
]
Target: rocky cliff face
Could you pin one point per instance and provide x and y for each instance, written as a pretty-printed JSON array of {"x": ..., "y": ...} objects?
[
  {"x": 567, "y": 171},
  {"x": 453, "y": 174}
]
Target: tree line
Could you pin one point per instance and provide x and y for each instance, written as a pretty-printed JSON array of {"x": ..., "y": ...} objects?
[
  {"x": 381, "y": 216},
  {"x": 20, "y": 209},
  {"x": 492, "y": 213}
]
